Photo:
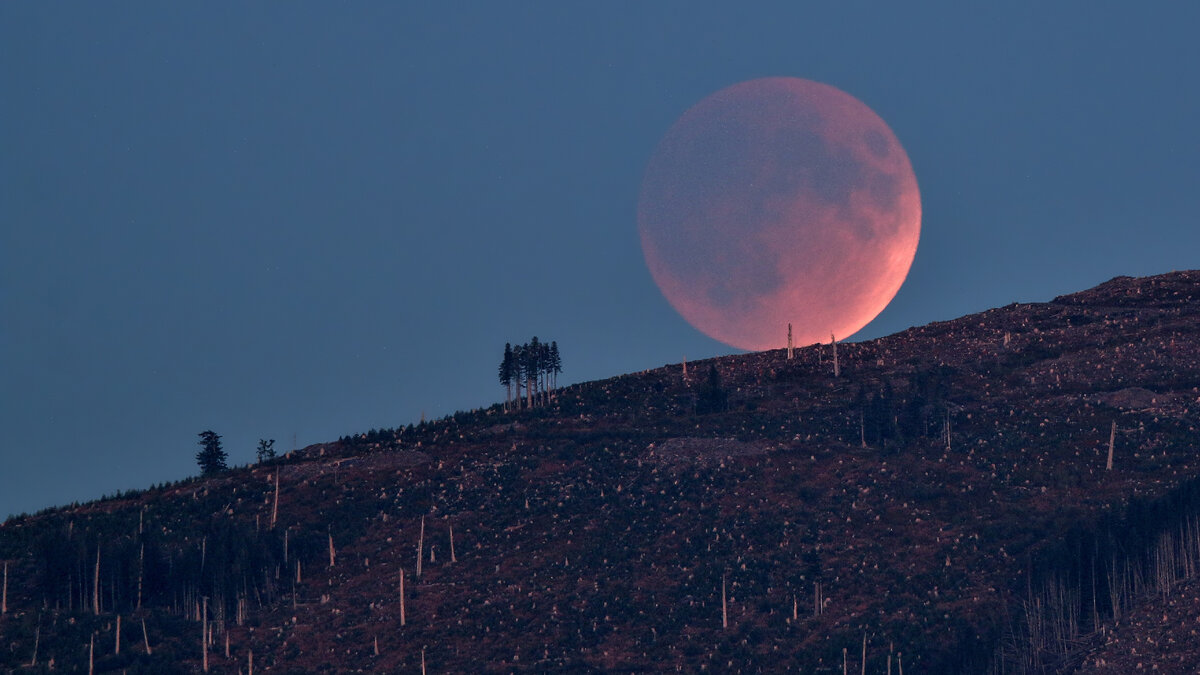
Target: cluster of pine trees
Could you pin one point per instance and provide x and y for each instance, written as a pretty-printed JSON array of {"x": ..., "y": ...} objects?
[{"x": 534, "y": 366}]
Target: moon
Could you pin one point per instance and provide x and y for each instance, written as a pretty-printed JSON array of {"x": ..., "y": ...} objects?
[{"x": 774, "y": 201}]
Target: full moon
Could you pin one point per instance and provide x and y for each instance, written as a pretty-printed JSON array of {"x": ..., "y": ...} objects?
[{"x": 776, "y": 201}]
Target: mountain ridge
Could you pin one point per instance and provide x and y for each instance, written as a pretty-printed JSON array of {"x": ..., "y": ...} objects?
[{"x": 922, "y": 503}]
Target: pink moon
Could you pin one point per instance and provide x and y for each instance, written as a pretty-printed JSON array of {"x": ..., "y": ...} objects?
[{"x": 776, "y": 201}]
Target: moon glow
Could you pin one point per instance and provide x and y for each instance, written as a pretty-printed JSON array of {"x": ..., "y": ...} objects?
[{"x": 775, "y": 201}]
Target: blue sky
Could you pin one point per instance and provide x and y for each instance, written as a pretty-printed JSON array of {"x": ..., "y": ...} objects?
[{"x": 304, "y": 220}]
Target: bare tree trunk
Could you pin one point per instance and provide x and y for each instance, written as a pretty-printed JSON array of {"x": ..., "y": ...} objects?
[
  {"x": 92, "y": 655},
  {"x": 724, "y": 607},
  {"x": 1112, "y": 440},
  {"x": 117, "y": 646},
  {"x": 204, "y": 634},
  {"x": 421, "y": 547},
  {"x": 146, "y": 638},
  {"x": 789, "y": 348},
  {"x": 37, "y": 638},
  {"x": 833, "y": 341},
  {"x": 332, "y": 555},
  {"x": 141, "y": 574},
  {"x": 864, "y": 655},
  {"x": 452, "y": 558},
  {"x": 4, "y": 593},
  {"x": 250, "y": 661},
  {"x": 96, "y": 585},
  {"x": 401, "y": 596},
  {"x": 275, "y": 508}
]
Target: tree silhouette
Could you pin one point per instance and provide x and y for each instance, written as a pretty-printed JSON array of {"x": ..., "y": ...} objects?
[
  {"x": 534, "y": 366},
  {"x": 533, "y": 357},
  {"x": 518, "y": 371},
  {"x": 266, "y": 449},
  {"x": 507, "y": 368},
  {"x": 555, "y": 364},
  {"x": 211, "y": 457}
]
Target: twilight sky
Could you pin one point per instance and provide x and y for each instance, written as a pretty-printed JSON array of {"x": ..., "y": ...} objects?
[{"x": 302, "y": 220}]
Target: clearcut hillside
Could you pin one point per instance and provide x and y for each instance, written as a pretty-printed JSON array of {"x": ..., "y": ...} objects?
[{"x": 943, "y": 502}]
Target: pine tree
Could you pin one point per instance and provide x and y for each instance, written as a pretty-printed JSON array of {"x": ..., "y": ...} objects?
[
  {"x": 544, "y": 371},
  {"x": 555, "y": 364},
  {"x": 266, "y": 449},
  {"x": 506, "y": 373},
  {"x": 533, "y": 355},
  {"x": 518, "y": 372},
  {"x": 534, "y": 366},
  {"x": 211, "y": 457}
]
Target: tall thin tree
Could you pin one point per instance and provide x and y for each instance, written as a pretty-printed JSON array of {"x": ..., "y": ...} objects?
[
  {"x": 518, "y": 372},
  {"x": 533, "y": 355},
  {"x": 543, "y": 368},
  {"x": 506, "y": 374},
  {"x": 555, "y": 363}
]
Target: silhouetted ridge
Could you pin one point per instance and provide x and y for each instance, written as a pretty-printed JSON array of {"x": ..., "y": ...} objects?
[{"x": 945, "y": 499}]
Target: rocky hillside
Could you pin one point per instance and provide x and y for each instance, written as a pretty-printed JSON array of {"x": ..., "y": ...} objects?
[{"x": 943, "y": 503}]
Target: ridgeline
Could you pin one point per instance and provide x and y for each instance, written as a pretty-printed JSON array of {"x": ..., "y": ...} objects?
[{"x": 944, "y": 503}]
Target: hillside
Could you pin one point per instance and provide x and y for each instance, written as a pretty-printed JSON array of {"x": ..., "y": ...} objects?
[{"x": 943, "y": 503}]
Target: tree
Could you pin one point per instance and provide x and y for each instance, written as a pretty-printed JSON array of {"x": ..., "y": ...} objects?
[
  {"x": 266, "y": 449},
  {"x": 555, "y": 364},
  {"x": 545, "y": 367},
  {"x": 533, "y": 358},
  {"x": 211, "y": 457},
  {"x": 532, "y": 366},
  {"x": 507, "y": 366},
  {"x": 518, "y": 371}
]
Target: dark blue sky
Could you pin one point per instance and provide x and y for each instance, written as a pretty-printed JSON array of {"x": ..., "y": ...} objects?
[{"x": 303, "y": 219}]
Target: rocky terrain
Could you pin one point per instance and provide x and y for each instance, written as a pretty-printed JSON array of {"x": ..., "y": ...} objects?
[
  {"x": 943, "y": 505},
  {"x": 1162, "y": 635}
]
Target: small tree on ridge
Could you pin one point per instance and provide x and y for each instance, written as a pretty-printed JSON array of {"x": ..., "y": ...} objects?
[
  {"x": 211, "y": 457},
  {"x": 266, "y": 449}
]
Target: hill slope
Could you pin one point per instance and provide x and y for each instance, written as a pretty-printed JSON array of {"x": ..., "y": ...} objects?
[{"x": 944, "y": 501}]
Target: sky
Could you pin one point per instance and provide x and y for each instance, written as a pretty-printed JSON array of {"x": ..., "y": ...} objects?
[{"x": 302, "y": 220}]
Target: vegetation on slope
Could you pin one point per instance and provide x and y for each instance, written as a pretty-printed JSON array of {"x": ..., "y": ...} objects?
[{"x": 944, "y": 500}]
